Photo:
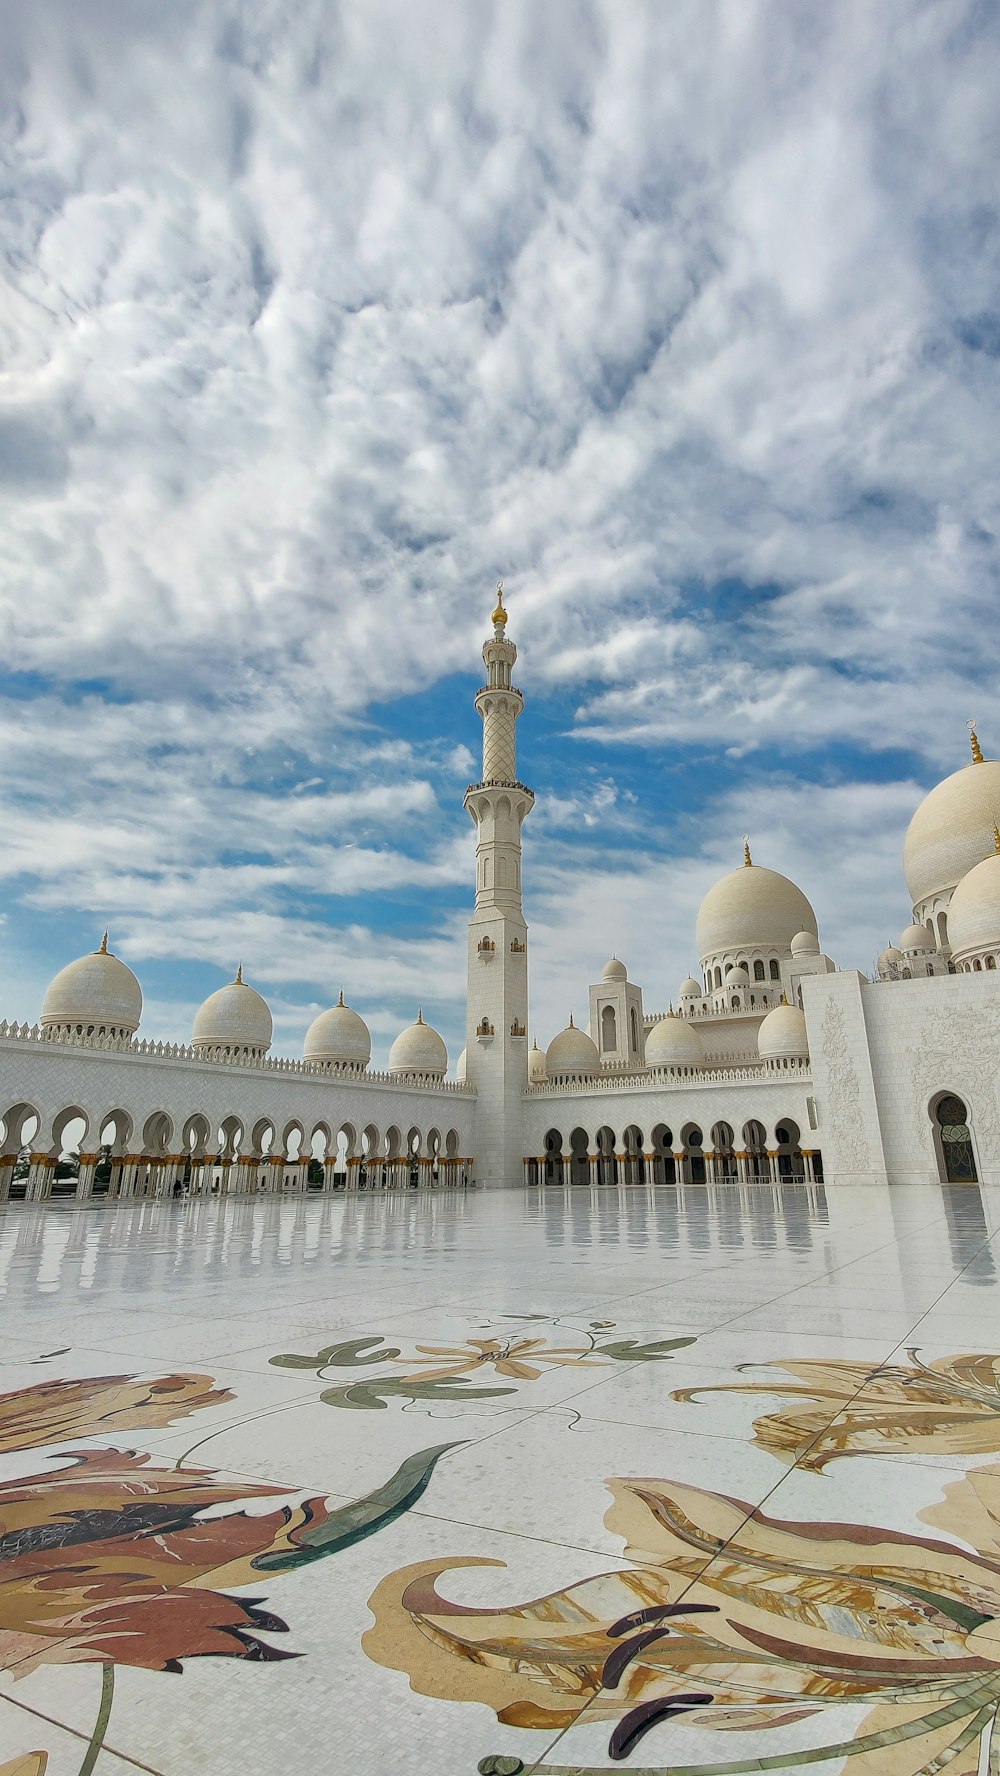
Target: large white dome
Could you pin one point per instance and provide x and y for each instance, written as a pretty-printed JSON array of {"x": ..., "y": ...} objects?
[
  {"x": 952, "y": 830},
  {"x": 338, "y": 1037},
  {"x": 752, "y": 908},
  {"x": 782, "y": 1035},
  {"x": 572, "y": 1053},
  {"x": 673, "y": 1043},
  {"x": 95, "y": 994},
  {"x": 974, "y": 913},
  {"x": 420, "y": 1050},
  {"x": 235, "y": 1019}
]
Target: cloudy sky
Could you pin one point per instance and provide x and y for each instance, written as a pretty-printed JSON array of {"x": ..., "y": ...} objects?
[{"x": 318, "y": 318}]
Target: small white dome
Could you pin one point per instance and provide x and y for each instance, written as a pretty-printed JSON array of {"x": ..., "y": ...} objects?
[
  {"x": 536, "y": 1066},
  {"x": 571, "y": 1052},
  {"x": 338, "y": 1036},
  {"x": 462, "y": 1066},
  {"x": 974, "y": 913},
  {"x": 737, "y": 977},
  {"x": 752, "y": 908},
  {"x": 614, "y": 970},
  {"x": 236, "y": 1019},
  {"x": 951, "y": 830},
  {"x": 691, "y": 989},
  {"x": 916, "y": 937},
  {"x": 673, "y": 1043},
  {"x": 782, "y": 1035},
  {"x": 420, "y": 1050},
  {"x": 890, "y": 954},
  {"x": 805, "y": 943},
  {"x": 97, "y": 992}
]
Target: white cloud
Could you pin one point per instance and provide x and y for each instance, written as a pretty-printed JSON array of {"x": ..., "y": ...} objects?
[{"x": 321, "y": 318}]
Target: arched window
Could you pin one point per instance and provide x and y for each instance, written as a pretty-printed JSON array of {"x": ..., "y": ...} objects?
[
  {"x": 991, "y": 962},
  {"x": 775, "y": 970},
  {"x": 758, "y": 971},
  {"x": 635, "y": 1032},
  {"x": 736, "y": 1003},
  {"x": 942, "y": 923},
  {"x": 977, "y": 965},
  {"x": 718, "y": 975},
  {"x": 609, "y": 1030},
  {"x": 956, "y": 1141}
]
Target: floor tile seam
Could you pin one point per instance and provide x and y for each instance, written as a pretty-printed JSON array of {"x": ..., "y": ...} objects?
[
  {"x": 785, "y": 1294},
  {"x": 903, "y": 1343},
  {"x": 719, "y": 1554},
  {"x": 53, "y": 1720}
]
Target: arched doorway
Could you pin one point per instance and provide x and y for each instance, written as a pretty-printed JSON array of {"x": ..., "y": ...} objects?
[
  {"x": 664, "y": 1164},
  {"x": 607, "y": 1163},
  {"x": 580, "y": 1162},
  {"x": 553, "y": 1157},
  {"x": 694, "y": 1156},
  {"x": 786, "y": 1139},
  {"x": 957, "y": 1161}
]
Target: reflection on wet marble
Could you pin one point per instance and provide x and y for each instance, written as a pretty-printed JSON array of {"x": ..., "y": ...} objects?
[{"x": 521, "y": 1481}]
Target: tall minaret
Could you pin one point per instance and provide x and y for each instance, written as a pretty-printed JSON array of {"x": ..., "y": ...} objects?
[{"x": 497, "y": 1016}]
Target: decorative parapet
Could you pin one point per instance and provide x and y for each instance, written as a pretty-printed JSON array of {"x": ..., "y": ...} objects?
[
  {"x": 631, "y": 1078},
  {"x": 144, "y": 1049}
]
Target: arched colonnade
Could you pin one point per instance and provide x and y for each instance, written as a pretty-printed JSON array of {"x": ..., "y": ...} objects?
[
  {"x": 116, "y": 1154},
  {"x": 682, "y": 1156}
]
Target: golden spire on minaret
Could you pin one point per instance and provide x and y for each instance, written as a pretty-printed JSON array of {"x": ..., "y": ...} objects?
[
  {"x": 977, "y": 751},
  {"x": 499, "y": 615},
  {"x": 747, "y": 859}
]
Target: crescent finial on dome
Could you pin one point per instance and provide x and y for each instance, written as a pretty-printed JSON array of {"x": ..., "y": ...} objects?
[
  {"x": 977, "y": 751},
  {"x": 996, "y": 838},
  {"x": 747, "y": 859},
  {"x": 340, "y": 1001},
  {"x": 238, "y": 982},
  {"x": 420, "y": 1014},
  {"x": 570, "y": 1025},
  {"x": 104, "y": 943}
]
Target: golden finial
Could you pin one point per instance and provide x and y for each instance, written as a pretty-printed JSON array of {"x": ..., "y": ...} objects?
[
  {"x": 104, "y": 943},
  {"x": 499, "y": 615},
  {"x": 977, "y": 751},
  {"x": 238, "y": 982},
  {"x": 571, "y": 1020},
  {"x": 783, "y": 1000},
  {"x": 747, "y": 859},
  {"x": 996, "y": 838},
  {"x": 670, "y": 1010},
  {"x": 420, "y": 1014},
  {"x": 340, "y": 1001}
]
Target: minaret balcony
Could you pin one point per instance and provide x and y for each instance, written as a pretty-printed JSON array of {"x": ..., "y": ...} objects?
[
  {"x": 517, "y": 1029},
  {"x": 517, "y": 949},
  {"x": 485, "y": 1031},
  {"x": 487, "y": 949},
  {"x": 500, "y": 783}
]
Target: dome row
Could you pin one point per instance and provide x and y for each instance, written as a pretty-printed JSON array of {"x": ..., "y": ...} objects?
[
  {"x": 99, "y": 995},
  {"x": 673, "y": 1042}
]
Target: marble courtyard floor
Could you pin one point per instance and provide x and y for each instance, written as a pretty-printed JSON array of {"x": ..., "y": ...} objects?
[{"x": 678, "y": 1480}]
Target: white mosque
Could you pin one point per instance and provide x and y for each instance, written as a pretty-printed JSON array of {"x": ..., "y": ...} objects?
[{"x": 776, "y": 1066}]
